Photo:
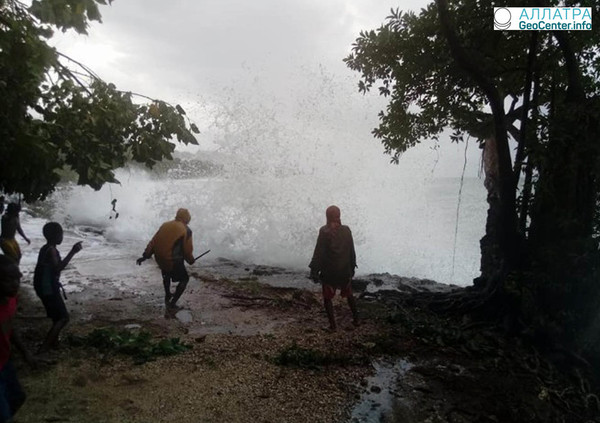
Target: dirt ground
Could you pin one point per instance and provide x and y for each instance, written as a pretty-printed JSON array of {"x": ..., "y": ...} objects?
[
  {"x": 227, "y": 375},
  {"x": 259, "y": 354}
]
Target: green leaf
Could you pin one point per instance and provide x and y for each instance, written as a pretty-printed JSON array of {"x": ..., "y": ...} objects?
[{"x": 92, "y": 12}]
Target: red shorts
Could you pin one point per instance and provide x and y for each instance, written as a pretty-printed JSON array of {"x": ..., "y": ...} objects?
[{"x": 329, "y": 291}]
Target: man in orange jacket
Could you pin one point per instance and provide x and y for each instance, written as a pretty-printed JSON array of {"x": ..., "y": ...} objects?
[{"x": 171, "y": 245}]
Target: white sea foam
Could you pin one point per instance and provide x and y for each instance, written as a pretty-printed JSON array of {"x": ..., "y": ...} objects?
[
  {"x": 283, "y": 161},
  {"x": 403, "y": 226}
]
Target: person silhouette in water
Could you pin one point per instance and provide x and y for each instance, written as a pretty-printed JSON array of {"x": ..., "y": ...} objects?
[
  {"x": 10, "y": 226},
  {"x": 333, "y": 263},
  {"x": 171, "y": 245}
]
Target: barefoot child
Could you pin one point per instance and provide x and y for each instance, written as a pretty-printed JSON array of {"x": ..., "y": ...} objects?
[
  {"x": 12, "y": 396},
  {"x": 46, "y": 281}
]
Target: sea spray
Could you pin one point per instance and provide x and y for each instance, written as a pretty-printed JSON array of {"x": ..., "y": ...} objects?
[
  {"x": 281, "y": 161},
  {"x": 275, "y": 222}
]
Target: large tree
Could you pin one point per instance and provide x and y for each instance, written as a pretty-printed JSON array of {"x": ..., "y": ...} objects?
[
  {"x": 531, "y": 98},
  {"x": 55, "y": 113}
]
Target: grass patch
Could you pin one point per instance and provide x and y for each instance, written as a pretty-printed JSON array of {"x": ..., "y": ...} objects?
[
  {"x": 250, "y": 285},
  {"x": 138, "y": 345}
]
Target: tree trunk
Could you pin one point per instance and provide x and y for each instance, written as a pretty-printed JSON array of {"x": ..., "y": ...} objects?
[
  {"x": 565, "y": 258},
  {"x": 500, "y": 247}
]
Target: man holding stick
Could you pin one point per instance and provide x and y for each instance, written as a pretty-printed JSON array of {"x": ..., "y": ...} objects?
[{"x": 171, "y": 245}]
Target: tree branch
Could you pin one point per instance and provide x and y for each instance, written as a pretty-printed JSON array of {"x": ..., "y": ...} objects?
[
  {"x": 66, "y": 70},
  {"x": 93, "y": 75},
  {"x": 520, "y": 156},
  {"x": 486, "y": 84},
  {"x": 81, "y": 65},
  {"x": 461, "y": 56},
  {"x": 575, "y": 91}
]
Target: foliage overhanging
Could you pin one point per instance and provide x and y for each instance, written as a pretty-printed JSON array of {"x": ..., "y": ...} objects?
[{"x": 56, "y": 113}]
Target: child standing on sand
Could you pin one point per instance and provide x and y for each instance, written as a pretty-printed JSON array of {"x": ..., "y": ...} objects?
[{"x": 46, "y": 281}]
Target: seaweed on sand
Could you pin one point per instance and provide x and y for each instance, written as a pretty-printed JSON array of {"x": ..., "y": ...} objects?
[{"x": 140, "y": 345}]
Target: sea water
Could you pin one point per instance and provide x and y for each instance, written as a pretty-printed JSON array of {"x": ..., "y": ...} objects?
[{"x": 409, "y": 227}]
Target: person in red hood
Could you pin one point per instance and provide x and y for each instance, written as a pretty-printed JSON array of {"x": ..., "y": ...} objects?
[
  {"x": 333, "y": 263},
  {"x": 171, "y": 245}
]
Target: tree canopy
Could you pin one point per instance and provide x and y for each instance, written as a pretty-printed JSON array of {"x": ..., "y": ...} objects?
[
  {"x": 408, "y": 60},
  {"x": 532, "y": 99},
  {"x": 55, "y": 113}
]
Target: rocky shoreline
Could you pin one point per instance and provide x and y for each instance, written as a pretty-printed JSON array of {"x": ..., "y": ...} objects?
[{"x": 259, "y": 354}]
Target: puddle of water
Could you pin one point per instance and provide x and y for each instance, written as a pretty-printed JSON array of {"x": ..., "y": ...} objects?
[{"x": 378, "y": 398}]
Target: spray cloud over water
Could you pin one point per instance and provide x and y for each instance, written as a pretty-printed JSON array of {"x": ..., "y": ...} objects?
[{"x": 285, "y": 155}]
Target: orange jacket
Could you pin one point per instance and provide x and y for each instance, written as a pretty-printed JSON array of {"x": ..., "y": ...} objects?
[{"x": 171, "y": 243}]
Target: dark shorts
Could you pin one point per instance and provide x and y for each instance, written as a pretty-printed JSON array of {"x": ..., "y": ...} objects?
[
  {"x": 177, "y": 274},
  {"x": 11, "y": 392},
  {"x": 55, "y": 307}
]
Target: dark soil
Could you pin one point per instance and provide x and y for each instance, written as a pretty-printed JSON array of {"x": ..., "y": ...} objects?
[{"x": 259, "y": 355}]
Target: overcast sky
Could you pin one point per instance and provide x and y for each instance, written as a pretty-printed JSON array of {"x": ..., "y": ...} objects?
[{"x": 254, "y": 61}]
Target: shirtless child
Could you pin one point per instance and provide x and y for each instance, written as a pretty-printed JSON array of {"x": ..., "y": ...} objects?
[{"x": 46, "y": 281}]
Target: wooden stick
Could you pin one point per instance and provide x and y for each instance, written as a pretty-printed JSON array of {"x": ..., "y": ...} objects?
[{"x": 203, "y": 254}]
